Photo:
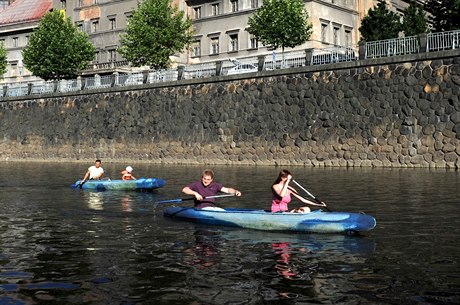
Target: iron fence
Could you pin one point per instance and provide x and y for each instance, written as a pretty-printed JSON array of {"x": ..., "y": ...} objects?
[
  {"x": 392, "y": 47},
  {"x": 375, "y": 49},
  {"x": 333, "y": 55},
  {"x": 443, "y": 41}
]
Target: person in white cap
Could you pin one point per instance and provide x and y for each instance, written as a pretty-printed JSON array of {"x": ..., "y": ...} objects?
[{"x": 127, "y": 174}]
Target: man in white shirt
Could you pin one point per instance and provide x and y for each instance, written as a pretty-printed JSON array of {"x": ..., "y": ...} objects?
[{"x": 94, "y": 172}]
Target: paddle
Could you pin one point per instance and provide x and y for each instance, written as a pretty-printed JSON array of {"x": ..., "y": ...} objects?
[
  {"x": 80, "y": 185},
  {"x": 191, "y": 198},
  {"x": 310, "y": 194}
]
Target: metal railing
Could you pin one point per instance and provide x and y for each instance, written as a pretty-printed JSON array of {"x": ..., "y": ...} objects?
[
  {"x": 18, "y": 89},
  {"x": 291, "y": 60},
  {"x": 42, "y": 87},
  {"x": 430, "y": 42},
  {"x": 392, "y": 47},
  {"x": 333, "y": 55},
  {"x": 199, "y": 71},
  {"x": 443, "y": 41}
]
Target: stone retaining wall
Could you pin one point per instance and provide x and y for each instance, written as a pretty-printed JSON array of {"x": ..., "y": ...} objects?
[{"x": 386, "y": 112}]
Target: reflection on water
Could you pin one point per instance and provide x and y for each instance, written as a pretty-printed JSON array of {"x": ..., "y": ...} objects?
[
  {"x": 64, "y": 246},
  {"x": 126, "y": 202},
  {"x": 283, "y": 266},
  {"x": 94, "y": 199}
]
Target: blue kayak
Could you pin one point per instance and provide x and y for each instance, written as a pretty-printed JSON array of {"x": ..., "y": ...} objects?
[
  {"x": 313, "y": 222},
  {"x": 141, "y": 184}
]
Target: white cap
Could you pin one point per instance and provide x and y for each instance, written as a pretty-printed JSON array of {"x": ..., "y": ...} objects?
[{"x": 129, "y": 169}]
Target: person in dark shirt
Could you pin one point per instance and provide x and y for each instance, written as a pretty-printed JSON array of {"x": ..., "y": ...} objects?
[{"x": 207, "y": 187}]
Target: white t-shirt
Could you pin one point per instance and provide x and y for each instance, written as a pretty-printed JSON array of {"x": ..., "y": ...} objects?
[{"x": 95, "y": 172}]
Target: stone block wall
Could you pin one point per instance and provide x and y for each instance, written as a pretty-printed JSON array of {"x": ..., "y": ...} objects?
[{"x": 381, "y": 113}]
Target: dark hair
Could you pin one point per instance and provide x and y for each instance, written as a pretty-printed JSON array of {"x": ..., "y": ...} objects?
[
  {"x": 97, "y": 160},
  {"x": 283, "y": 174}
]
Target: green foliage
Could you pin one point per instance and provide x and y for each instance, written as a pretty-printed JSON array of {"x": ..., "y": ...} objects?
[
  {"x": 414, "y": 20},
  {"x": 445, "y": 14},
  {"x": 3, "y": 59},
  {"x": 380, "y": 23},
  {"x": 281, "y": 23},
  {"x": 155, "y": 32},
  {"x": 57, "y": 50}
]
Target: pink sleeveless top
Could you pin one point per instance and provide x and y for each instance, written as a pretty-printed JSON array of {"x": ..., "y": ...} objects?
[{"x": 281, "y": 204}]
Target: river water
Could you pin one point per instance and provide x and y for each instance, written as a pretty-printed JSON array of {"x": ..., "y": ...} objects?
[{"x": 64, "y": 246}]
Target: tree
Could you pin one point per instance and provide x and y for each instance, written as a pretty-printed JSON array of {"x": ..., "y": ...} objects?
[
  {"x": 414, "y": 20},
  {"x": 445, "y": 14},
  {"x": 56, "y": 49},
  {"x": 380, "y": 23},
  {"x": 281, "y": 23},
  {"x": 3, "y": 59},
  {"x": 155, "y": 31}
]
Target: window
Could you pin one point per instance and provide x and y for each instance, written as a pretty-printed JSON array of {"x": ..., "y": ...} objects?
[
  {"x": 26, "y": 38},
  {"x": 323, "y": 32},
  {"x": 196, "y": 48},
  {"x": 96, "y": 57},
  {"x": 15, "y": 42},
  {"x": 112, "y": 55},
  {"x": 253, "y": 43},
  {"x": 336, "y": 35},
  {"x": 215, "y": 9},
  {"x": 95, "y": 1},
  {"x": 233, "y": 43},
  {"x": 14, "y": 69},
  {"x": 197, "y": 12},
  {"x": 234, "y": 5},
  {"x": 254, "y": 3},
  {"x": 214, "y": 45},
  {"x": 79, "y": 25},
  {"x": 94, "y": 26},
  {"x": 80, "y": 3},
  {"x": 347, "y": 38},
  {"x": 63, "y": 4},
  {"x": 112, "y": 22},
  {"x": 128, "y": 16}
]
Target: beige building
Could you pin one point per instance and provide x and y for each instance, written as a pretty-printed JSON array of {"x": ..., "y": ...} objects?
[
  {"x": 219, "y": 25},
  {"x": 17, "y": 21}
]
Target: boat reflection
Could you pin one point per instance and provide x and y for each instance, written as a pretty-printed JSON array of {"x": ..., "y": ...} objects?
[
  {"x": 339, "y": 243},
  {"x": 283, "y": 265}
]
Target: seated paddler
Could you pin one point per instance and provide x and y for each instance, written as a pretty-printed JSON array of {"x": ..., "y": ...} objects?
[{"x": 206, "y": 187}]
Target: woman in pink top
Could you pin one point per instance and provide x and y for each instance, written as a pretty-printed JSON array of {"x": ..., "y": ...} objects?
[{"x": 282, "y": 195}]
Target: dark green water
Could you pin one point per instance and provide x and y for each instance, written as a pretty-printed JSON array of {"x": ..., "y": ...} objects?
[{"x": 64, "y": 246}]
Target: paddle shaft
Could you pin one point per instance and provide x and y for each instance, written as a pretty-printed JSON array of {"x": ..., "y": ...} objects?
[
  {"x": 192, "y": 198},
  {"x": 309, "y": 194}
]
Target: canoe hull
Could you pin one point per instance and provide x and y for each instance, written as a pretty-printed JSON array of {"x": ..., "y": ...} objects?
[
  {"x": 314, "y": 222},
  {"x": 142, "y": 184}
]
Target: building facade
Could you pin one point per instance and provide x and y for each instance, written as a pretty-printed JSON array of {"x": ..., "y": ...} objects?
[
  {"x": 17, "y": 21},
  {"x": 219, "y": 29}
]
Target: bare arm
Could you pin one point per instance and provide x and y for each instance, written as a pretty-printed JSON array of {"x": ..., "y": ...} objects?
[
  {"x": 189, "y": 191},
  {"x": 296, "y": 195},
  {"x": 282, "y": 190},
  {"x": 230, "y": 190},
  {"x": 85, "y": 177}
]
